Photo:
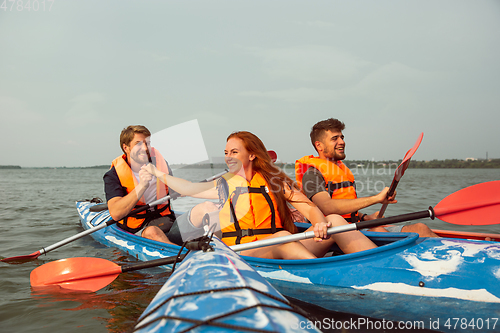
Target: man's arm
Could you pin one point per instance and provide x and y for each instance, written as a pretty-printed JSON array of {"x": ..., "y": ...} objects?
[
  {"x": 315, "y": 188},
  {"x": 171, "y": 191},
  {"x": 344, "y": 206},
  {"x": 120, "y": 206}
]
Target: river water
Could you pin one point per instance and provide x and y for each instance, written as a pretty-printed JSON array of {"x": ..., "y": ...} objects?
[{"x": 37, "y": 209}]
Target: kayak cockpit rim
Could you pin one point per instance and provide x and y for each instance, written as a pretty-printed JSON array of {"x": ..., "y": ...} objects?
[{"x": 396, "y": 241}]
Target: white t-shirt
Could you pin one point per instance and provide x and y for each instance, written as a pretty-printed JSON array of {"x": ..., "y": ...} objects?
[{"x": 150, "y": 193}]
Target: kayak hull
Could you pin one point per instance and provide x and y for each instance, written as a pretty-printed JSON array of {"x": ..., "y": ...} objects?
[
  {"x": 406, "y": 278},
  {"x": 217, "y": 291}
]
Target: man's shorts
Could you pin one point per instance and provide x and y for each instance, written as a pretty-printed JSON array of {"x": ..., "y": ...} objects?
[
  {"x": 184, "y": 230},
  {"x": 165, "y": 223},
  {"x": 394, "y": 228}
]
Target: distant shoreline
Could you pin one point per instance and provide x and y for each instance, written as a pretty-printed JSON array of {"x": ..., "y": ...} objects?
[
  {"x": 10, "y": 167},
  {"x": 434, "y": 164}
]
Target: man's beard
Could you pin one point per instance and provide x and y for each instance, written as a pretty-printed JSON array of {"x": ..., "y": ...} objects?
[{"x": 334, "y": 155}]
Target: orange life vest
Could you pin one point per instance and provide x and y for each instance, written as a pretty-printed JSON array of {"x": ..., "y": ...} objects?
[
  {"x": 133, "y": 223},
  {"x": 250, "y": 213},
  {"x": 339, "y": 179}
]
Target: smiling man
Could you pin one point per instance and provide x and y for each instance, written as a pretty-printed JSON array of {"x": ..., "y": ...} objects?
[
  {"x": 329, "y": 183},
  {"x": 126, "y": 187}
]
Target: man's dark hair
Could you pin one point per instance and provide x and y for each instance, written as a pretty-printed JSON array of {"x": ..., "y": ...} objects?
[
  {"x": 127, "y": 134},
  {"x": 320, "y": 128}
]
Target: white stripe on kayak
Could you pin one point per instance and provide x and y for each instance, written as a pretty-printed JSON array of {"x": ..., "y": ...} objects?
[
  {"x": 449, "y": 257},
  {"x": 479, "y": 295},
  {"x": 284, "y": 276},
  {"x": 120, "y": 242}
]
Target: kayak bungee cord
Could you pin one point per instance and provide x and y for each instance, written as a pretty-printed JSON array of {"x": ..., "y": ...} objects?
[
  {"x": 203, "y": 244},
  {"x": 211, "y": 321}
]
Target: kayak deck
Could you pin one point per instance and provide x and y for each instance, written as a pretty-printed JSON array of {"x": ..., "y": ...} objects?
[{"x": 217, "y": 291}]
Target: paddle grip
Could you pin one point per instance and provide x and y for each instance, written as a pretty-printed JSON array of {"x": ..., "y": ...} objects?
[
  {"x": 209, "y": 179},
  {"x": 98, "y": 208},
  {"x": 389, "y": 193},
  {"x": 396, "y": 219},
  {"x": 147, "y": 151}
]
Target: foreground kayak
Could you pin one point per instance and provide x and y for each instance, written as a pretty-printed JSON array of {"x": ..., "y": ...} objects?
[
  {"x": 428, "y": 281},
  {"x": 217, "y": 291}
]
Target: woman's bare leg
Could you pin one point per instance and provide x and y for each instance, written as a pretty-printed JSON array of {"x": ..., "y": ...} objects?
[
  {"x": 292, "y": 250},
  {"x": 349, "y": 242}
]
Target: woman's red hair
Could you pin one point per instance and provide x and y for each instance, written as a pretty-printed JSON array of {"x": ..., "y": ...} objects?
[{"x": 273, "y": 175}]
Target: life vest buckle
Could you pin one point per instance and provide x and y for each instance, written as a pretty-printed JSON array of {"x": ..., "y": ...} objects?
[{"x": 246, "y": 232}]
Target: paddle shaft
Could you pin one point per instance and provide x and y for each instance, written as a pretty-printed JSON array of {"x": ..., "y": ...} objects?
[
  {"x": 256, "y": 244},
  {"x": 100, "y": 226},
  {"x": 247, "y": 246},
  {"x": 461, "y": 205},
  {"x": 451, "y": 209},
  {"x": 152, "y": 263},
  {"x": 52, "y": 247},
  {"x": 391, "y": 191},
  {"x": 147, "y": 151},
  {"x": 107, "y": 224},
  {"x": 335, "y": 230},
  {"x": 400, "y": 172}
]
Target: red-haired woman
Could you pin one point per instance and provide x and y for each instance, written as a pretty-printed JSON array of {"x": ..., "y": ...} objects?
[{"x": 253, "y": 204}]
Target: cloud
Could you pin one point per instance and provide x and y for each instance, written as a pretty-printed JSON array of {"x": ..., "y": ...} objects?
[
  {"x": 85, "y": 110},
  {"x": 310, "y": 63},
  {"x": 15, "y": 110},
  {"x": 317, "y": 24},
  {"x": 295, "y": 95},
  {"x": 390, "y": 82},
  {"x": 159, "y": 57}
]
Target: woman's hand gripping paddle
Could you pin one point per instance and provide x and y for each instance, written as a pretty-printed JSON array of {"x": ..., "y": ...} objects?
[
  {"x": 475, "y": 205},
  {"x": 400, "y": 172}
]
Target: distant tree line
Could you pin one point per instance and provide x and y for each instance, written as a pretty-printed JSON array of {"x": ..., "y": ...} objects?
[
  {"x": 456, "y": 164},
  {"x": 10, "y": 167},
  {"x": 434, "y": 164}
]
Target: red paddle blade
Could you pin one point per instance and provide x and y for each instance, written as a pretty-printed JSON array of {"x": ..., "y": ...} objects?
[
  {"x": 21, "y": 259},
  {"x": 406, "y": 160},
  {"x": 474, "y": 205},
  {"x": 273, "y": 155},
  {"x": 75, "y": 274}
]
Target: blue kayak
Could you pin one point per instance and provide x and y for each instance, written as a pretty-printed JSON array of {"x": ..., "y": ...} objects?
[
  {"x": 426, "y": 281},
  {"x": 217, "y": 291}
]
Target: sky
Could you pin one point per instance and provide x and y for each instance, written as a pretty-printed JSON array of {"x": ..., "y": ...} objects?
[{"x": 73, "y": 74}]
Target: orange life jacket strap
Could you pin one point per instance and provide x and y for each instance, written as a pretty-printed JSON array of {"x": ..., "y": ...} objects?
[
  {"x": 331, "y": 187},
  {"x": 240, "y": 233},
  {"x": 250, "y": 232}
]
